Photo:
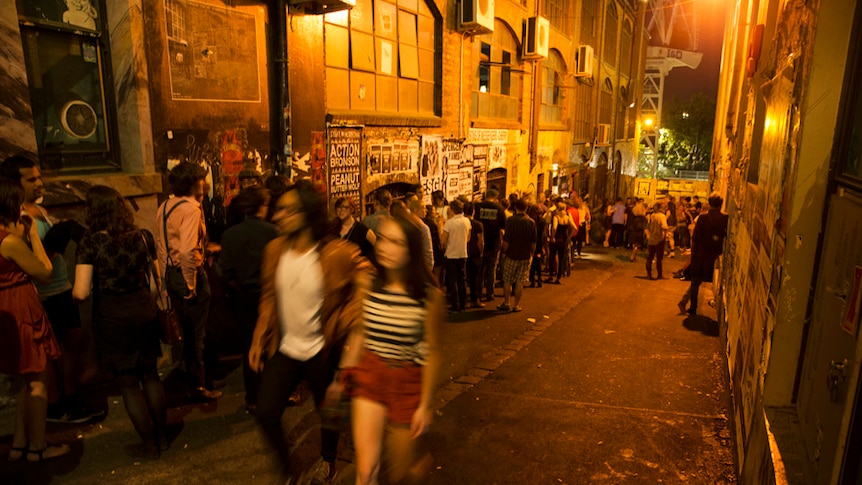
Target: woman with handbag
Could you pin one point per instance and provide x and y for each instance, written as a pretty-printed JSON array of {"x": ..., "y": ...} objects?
[
  {"x": 113, "y": 260},
  {"x": 391, "y": 363}
]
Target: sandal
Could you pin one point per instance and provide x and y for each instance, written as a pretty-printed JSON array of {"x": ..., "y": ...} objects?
[
  {"x": 53, "y": 451},
  {"x": 21, "y": 450}
]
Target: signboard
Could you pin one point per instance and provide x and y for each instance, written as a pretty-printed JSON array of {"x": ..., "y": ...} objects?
[
  {"x": 478, "y": 135},
  {"x": 344, "y": 159}
]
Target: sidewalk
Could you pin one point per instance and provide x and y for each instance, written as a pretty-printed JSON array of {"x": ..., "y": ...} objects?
[{"x": 608, "y": 385}]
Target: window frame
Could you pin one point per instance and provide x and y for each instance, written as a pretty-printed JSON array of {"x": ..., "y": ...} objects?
[
  {"x": 498, "y": 58},
  {"x": 71, "y": 160}
]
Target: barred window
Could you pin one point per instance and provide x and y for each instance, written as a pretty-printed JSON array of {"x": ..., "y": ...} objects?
[
  {"x": 498, "y": 88},
  {"x": 554, "y": 71},
  {"x": 589, "y": 16},
  {"x": 557, "y": 12},
  {"x": 609, "y": 53}
]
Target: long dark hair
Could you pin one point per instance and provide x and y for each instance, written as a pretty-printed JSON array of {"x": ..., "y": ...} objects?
[
  {"x": 11, "y": 198},
  {"x": 418, "y": 277},
  {"x": 107, "y": 210}
]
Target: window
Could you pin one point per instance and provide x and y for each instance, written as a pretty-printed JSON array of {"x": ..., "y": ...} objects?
[
  {"x": 583, "y": 109},
  {"x": 589, "y": 11},
  {"x": 609, "y": 52},
  {"x": 382, "y": 56},
  {"x": 622, "y": 109},
  {"x": 66, "y": 70},
  {"x": 606, "y": 105},
  {"x": 557, "y": 12},
  {"x": 626, "y": 50},
  {"x": 499, "y": 78},
  {"x": 554, "y": 70}
]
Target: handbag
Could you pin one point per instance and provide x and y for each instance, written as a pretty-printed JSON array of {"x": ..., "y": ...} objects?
[
  {"x": 335, "y": 410},
  {"x": 170, "y": 331}
]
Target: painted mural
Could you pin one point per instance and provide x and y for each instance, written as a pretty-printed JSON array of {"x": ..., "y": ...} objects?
[{"x": 212, "y": 52}]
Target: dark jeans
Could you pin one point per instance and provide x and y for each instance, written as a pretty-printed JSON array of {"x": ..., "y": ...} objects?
[
  {"x": 655, "y": 251},
  {"x": 618, "y": 232},
  {"x": 456, "y": 276},
  {"x": 695, "y": 289},
  {"x": 536, "y": 269},
  {"x": 193, "y": 313},
  {"x": 279, "y": 379},
  {"x": 474, "y": 276},
  {"x": 558, "y": 259},
  {"x": 489, "y": 273},
  {"x": 244, "y": 306}
]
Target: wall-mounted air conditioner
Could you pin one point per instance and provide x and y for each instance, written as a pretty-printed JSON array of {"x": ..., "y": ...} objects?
[
  {"x": 476, "y": 16},
  {"x": 603, "y": 135},
  {"x": 585, "y": 59},
  {"x": 537, "y": 35}
]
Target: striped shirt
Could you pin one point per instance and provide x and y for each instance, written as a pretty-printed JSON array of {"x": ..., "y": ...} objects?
[{"x": 395, "y": 326}]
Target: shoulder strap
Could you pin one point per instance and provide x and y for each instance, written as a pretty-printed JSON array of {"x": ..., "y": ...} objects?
[{"x": 167, "y": 213}]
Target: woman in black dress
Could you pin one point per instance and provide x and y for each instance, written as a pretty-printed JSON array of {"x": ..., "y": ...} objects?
[
  {"x": 351, "y": 229},
  {"x": 113, "y": 262}
]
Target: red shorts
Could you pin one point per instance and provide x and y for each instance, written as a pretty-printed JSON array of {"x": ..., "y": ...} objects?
[{"x": 395, "y": 384}]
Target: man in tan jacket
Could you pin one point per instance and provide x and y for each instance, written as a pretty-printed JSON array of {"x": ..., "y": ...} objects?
[{"x": 312, "y": 287}]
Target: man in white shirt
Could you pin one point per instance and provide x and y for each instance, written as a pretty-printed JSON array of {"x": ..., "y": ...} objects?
[{"x": 456, "y": 234}]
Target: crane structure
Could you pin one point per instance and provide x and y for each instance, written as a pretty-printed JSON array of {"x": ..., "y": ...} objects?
[{"x": 672, "y": 24}]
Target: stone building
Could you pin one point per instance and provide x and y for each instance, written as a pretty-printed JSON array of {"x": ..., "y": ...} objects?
[
  {"x": 524, "y": 95},
  {"x": 786, "y": 153}
]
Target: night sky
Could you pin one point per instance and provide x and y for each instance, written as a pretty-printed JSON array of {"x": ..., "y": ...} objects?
[{"x": 681, "y": 83}]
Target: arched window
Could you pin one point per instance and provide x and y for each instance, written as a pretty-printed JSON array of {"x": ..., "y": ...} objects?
[
  {"x": 582, "y": 117},
  {"x": 498, "y": 86},
  {"x": 609, "y": 53},
  {"x": 557, "y": 12},
  {"x": 606, "y": 105},
  {"x": 622, "y": 109},
  {"x": 589, "y": 13},
  {"x": 554, "y": 68},
  {"x": 626, "y": 49},
  {"x": 383, "y": 57}
]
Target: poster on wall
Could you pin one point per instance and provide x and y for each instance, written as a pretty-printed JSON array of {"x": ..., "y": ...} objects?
[
  {"x": 318, "y": 160},
  {"x": 212, "y": 52},
  {"x": 452, "y": 156},
  {"x": 344, "y": 161},
  {"x": 231, "y": 144},
  {"x": 478, "y": 154},
  {"x": 851, "y": 316},
  {"x": 432, "y": 170}
]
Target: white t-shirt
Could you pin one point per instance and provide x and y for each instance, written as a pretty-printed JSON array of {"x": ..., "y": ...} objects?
[
  {"x": 458, "y": 228},
  {"x": 299, "y": 298}
]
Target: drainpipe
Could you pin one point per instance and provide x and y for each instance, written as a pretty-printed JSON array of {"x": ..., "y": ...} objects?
[{"x": 279, "y": 93}]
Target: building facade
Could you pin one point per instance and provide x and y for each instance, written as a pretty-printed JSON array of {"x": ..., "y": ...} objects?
[
  {"x": 786, "y": 154},
  {"x": 386, "y": 94}
]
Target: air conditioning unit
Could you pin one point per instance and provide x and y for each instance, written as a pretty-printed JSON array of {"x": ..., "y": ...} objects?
[
  {"x": 603, "y": 135},
  {"x": 476, "y": 16},
  {"x": 585, "y": 61},
  {"x": 537, "y": 32}
]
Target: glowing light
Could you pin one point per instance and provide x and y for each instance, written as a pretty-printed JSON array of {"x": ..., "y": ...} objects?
[{"x": 649, "y": 122}]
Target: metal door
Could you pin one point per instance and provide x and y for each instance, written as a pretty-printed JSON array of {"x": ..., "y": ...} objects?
[{"x": 830, "y": 370}]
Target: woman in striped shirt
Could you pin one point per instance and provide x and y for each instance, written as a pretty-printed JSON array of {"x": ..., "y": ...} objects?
[{"x": 391, "y": 364}]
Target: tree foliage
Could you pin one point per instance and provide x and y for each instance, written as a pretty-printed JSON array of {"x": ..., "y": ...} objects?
[{"x": 686, "y": 139}]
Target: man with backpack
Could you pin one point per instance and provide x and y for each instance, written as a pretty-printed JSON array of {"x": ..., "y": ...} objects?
[{"x": 707, "y": 244}]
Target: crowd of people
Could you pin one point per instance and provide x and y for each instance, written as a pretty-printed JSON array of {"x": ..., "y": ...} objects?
[{"x": 351, "y": 306}]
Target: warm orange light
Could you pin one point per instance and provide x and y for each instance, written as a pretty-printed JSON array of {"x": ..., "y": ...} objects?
[{"x": 648, "y": 122}]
